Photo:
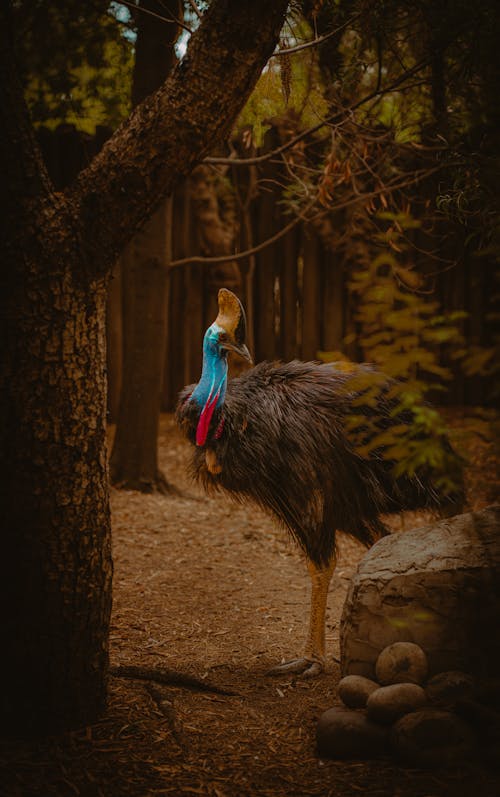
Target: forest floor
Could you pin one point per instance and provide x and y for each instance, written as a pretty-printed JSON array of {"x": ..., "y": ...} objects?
[{"x": 213, "y": 589}]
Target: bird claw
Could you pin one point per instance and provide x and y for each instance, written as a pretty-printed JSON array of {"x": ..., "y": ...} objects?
[{"x": 303, "y": 667}]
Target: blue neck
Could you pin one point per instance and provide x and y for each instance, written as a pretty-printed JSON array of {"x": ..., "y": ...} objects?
[{"x": 213, "y": 375}]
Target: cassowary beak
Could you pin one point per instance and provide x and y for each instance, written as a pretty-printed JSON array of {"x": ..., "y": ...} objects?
[
  {"x": 238, "y": 348},
  {"x": 232, "y": 321}
]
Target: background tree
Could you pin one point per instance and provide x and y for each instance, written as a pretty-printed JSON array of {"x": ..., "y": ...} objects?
[
  {"x": 144, "y": 263},
  {"x": 60, "y": 247}
]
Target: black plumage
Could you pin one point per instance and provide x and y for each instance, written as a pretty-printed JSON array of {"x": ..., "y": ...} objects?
[{"x": 284, "y": 445}]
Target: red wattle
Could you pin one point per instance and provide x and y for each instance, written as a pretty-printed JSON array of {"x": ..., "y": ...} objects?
[
  {"x": 205, "y": 418},
  {"x": 220, "y": 429}
]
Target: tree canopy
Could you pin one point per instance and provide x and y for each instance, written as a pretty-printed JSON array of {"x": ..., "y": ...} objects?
[{"x": 75, "y": 65}]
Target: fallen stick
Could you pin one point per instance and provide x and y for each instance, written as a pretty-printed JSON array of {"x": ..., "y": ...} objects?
[{"x": 168, "y": 677}]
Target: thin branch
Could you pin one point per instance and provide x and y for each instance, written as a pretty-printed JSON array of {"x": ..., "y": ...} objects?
[
  {"x": 314, "y": 42},
  {"x": 394, "y": 186},
  {"x": 154, "y": 14},
  {"x": 296, "y": 177},
  {"x": 195, "y": 9},
  {"x": 329, "y": 120},
  {"x": 242, "y": 255},
  {"x": 421, "y": 174},
  {"x": 121, "y": 22}
]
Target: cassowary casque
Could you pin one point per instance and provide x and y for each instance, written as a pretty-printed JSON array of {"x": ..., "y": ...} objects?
[{"x": 277, "y": 436}]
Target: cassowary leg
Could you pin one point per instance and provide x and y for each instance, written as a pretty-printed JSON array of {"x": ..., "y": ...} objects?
[{"x": 313, "y": 660}]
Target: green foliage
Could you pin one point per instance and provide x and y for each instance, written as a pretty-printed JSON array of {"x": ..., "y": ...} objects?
[
  {"x": 289, "y": 86},
  {"x": 75, "y": 63},
  {"x": 404, "y": 334}
]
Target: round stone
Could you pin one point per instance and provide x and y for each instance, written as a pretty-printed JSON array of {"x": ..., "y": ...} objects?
[
  {"x": 354, "y": 690},
  {"x": 432, "y": 738},
  {"x": 345, "y": 734},
  {"x": 389, "y": 703},
  {"x": 401, "y": 662},
  {"x": 446, "y": 688}
]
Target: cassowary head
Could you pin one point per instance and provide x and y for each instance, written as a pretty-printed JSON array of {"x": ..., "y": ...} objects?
[{"x": 227, "y": 333}]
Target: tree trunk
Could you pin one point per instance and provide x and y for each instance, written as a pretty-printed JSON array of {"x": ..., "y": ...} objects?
[
  {"x": 55, "y": 580},
  {"x": 311, "y": 314},
  {"x": 114, "y": 342},
  {"x": 267, "y": 269},
  {"x": 56, "y": 551},
  {"x": 58, "y": 251},
  {"x": 134, "y": 460},
  {"x": 290, "y": 247}
]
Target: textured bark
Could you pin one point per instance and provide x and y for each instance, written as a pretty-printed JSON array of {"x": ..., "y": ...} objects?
[
  {"x": 58, "y": 249},
  {"x": 56, "y": 558},
  {"x": 114, "y": 342},
  {"x": 436, "y": 586}
]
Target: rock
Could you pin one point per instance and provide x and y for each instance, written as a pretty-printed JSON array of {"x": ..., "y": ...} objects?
[
  {"x": 389, "y": 703},
  {"x": 432, "y": 738},
  {"x": 345, "y": 734},
  {"x": 402, "y": 662},
  {"x": 446, "y": 688},
  {"x": 354, "y": 690},
  {"x": 437, "y": 586}
]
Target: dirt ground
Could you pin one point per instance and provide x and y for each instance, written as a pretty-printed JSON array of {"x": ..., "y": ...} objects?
[{"x": 213, "y": 589}]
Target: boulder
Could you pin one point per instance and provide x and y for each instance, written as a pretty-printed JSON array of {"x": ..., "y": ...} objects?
[
  {"x": 354, "y": 690},
  {"x": 389, "y": 703},
  {"x": 345, "y": 734},
  {"x": 402, "y": 662},
  {"x": 432, "y": 738},
  {"x": 446, "y": 688},
  {"x": 437, "y": 586}
]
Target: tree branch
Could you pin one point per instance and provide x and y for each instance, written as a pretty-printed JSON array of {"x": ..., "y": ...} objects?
[
  {"x": 161, "y": 675},
  {"x": 171, "y": 131},
  {"x": 195, "y": 9},
  {"x": 148, "y": 11},
  {"x": 241, "y": 255},
  {"x": 315, "y": 42}
]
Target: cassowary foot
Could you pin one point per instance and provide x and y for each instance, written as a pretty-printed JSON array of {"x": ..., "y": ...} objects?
[{"x": 303, "y": 667}]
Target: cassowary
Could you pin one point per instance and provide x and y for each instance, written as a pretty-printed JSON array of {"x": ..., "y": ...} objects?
[{"x": 276, "y": 435}]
